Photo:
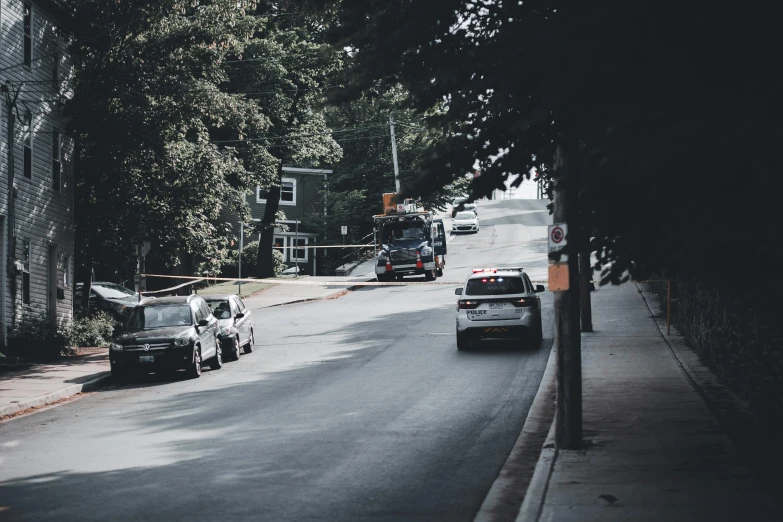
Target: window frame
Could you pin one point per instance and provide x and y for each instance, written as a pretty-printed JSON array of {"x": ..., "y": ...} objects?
[
  {"x": 66, "y": 271},
  {"x": 27, "y": 145},
  {"x": 293, "y": 181},
  {"x": 27, "y": 253},
  {"x": 284, "y": 247},
  {"x": 57, "y": 160},
  {"x": 295, "y": 249},
  {"x": 27, "y": 34}
]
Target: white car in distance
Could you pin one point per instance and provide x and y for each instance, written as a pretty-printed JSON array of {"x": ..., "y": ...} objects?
[{"x": 465, "y": 221}]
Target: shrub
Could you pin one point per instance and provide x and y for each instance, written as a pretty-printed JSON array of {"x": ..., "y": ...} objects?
[
  {"x": 96, "y": 330},
  {"x": 279, "y": 265},
  {"x": 249, "y": 257},
  {"x": 38, "y": 338}
]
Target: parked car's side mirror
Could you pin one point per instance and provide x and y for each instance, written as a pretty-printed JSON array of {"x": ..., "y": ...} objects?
[
  {"x": 540, "y": 288},
  {"x": 239, "y": 315},
  {"x": 203, "y": 322},
  {"x": 458, "y": 291}
]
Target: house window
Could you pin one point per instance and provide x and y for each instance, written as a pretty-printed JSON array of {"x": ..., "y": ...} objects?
[
  {"x": 287, "y": 192},
  {"x": 28, "y": 34},
  {"x": 27, "y": 140},
  {"x": 26, "y": 271},
  {"x": 280, "y": 246},
  {"x": 299, "y": 254},
  {"x": 57, "y": 143}
]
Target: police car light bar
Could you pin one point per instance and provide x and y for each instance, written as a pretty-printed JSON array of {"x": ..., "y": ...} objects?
[{"x": 482, "y": 270}]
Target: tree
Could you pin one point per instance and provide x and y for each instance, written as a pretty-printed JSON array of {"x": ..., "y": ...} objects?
[
  {"x": 149, "y": 96},
  {"x": 288, "y": 52},
  {"x": 658, "y": 100}
]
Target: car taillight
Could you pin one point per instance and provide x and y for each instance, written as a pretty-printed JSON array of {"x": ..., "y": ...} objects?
[
  {"x": 467, "y": 305},
  {"x": 522, "y": 302}
]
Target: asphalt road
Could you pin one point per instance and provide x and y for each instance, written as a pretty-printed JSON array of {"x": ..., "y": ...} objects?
[{"x": 359, "y": 408}]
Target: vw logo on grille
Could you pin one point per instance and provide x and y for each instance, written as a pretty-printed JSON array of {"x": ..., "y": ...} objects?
[{"x": 146, "y": 347}]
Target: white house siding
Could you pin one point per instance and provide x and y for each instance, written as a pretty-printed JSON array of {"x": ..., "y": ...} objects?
[{"x": 43, "y": 216}]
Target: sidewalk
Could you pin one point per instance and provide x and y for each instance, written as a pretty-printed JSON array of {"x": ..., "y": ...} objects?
[
  {"x": 42, "y": 384},
  {"x": 655, "y": 451}
]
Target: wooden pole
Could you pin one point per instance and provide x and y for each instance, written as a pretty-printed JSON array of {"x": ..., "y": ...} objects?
[
  {"x": 568, "y": 415},
  {"x": 668, "y": 307}
]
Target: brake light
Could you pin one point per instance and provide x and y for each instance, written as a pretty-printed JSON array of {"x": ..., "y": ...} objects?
[
  {"x": 522, "y": 302},
  {"x": 388, "y": 266},
  {"x": 467, "y": 305}
]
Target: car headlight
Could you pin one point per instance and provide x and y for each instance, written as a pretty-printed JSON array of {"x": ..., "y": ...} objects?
[
  {"x": 426, "y": 251},
  {"x": 182, "y": 341},
  {"x": 116, "y": 347}
]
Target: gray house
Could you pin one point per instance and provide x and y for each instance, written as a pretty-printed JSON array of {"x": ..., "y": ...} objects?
[
  {"x": 36, "y": 177},
  {"x": 302, "y": 200}
]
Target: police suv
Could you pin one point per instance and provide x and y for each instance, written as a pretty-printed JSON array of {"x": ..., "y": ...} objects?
[{"x": 498, "y": 303}]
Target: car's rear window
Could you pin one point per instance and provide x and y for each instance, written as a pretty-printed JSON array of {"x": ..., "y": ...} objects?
[{"x": 495, "y": 286}]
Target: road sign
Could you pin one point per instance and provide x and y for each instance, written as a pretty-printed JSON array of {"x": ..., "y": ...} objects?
[
  {"x": 557, "y": 237},
  {"x": 344, "y": 230},
  {"x": 558, "y": 277}
]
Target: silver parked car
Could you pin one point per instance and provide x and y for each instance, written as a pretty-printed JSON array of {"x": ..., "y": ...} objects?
[{"x": 235, "y": 323}]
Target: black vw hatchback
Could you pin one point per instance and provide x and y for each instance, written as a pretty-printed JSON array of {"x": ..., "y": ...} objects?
[{"x": 167, "y": 335}]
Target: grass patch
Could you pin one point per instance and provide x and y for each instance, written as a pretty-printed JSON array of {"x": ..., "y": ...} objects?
[{"x": 232, "y": 287}]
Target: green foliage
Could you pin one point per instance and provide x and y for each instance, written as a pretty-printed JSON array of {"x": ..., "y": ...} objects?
[
  {"x": 38, "y": 338},
  {"x": 662, "y": 127},
  {"x": 179, "y": 109},
  {"x": 93, "y": 331},
  {"x": 250, "y": 260},
  {"x": 366, "y": 170},
  {"x": 278, "y": 262}
]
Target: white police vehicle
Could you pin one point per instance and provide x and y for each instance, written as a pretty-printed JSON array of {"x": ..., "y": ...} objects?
[{"x": 498, "y": 303}]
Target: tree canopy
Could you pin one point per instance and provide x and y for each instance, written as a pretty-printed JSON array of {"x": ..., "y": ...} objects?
[{"x": 670, "y": 106}]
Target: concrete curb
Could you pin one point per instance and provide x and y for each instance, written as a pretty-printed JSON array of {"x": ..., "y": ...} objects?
[
  {"x": 539, "y": 484},
  {"x": 511, "y": 493},
  {"x": 333, "y": 295},
  {"x": 63, "y": 393}
]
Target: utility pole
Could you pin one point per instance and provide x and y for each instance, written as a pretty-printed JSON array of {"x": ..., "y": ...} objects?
[
  {"x": 394, "y": 155},
  {"x": 568, "y": 415},
  {"x": 241, "y": 247}
]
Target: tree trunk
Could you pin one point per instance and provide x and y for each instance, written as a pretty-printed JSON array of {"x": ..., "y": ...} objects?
[
  {"x": 568, "y": 415},
  {"x": 265, "y": 261}
]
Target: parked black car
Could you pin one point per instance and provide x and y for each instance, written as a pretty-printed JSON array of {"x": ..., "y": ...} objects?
[
  {"x": 107, "y": 297},
  {"x": 167, "y": 335},
  {"x": 235, "y": 323}
]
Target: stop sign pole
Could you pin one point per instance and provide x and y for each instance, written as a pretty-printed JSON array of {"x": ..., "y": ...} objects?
[{"x": 564, "y": 282}]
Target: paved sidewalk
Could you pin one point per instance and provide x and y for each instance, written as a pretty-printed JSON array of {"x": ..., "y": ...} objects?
[
  {"x": 42, "y": 384},
  {"x": 655, "y": 450}
]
